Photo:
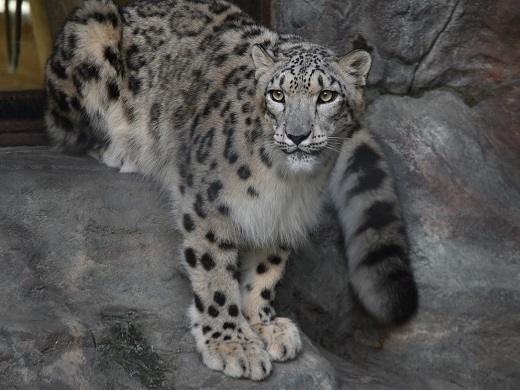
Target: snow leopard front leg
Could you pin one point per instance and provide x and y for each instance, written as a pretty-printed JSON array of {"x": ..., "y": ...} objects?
[
  {"x": 223, "y": 336},
  {"x": 261, "y": 272}
]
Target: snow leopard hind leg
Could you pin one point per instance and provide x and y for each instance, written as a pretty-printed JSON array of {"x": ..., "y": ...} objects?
[{"x": 83, "y": 80}]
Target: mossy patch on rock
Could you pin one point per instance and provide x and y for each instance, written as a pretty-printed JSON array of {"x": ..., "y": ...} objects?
[{"x": 125, "y": 344}]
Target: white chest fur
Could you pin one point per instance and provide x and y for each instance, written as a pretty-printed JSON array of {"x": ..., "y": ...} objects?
[{"x": 283, "y": 212}]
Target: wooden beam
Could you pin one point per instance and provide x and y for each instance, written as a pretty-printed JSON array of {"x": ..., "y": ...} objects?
[
  {"x": 21, "y": 118},
  {"x": 41, "y": 31}
]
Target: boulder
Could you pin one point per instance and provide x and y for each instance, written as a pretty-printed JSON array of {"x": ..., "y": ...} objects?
[
  {"x": 444, "y": 100},
  {"x": 471, "y": 46},
  {"x": 463, "y": 222},
  {"x": 92, "y": 295}
]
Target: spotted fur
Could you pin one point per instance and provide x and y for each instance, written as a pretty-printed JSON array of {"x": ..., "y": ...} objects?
[{"x": 246, "y": 128}]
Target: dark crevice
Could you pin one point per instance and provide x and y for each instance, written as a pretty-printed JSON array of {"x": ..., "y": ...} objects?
[{"x": 433, "y": 44}]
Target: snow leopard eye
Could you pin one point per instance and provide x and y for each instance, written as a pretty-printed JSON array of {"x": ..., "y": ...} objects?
[
  {"x": 277, "y": 95},
  {"x": 327, "y": 96}
]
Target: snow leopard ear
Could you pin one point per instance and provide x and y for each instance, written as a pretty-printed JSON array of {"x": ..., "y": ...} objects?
[
  {"x": 356, "y": 63},
  {"x": 262, "y": 60}
]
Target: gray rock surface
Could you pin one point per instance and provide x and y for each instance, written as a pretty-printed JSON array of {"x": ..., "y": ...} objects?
[
  {"x": 91, "y": 293},
  {"x": 416, "y": 45},
  {"x": 444, "y": 99},
  {"x": 463, "y": 220},
  {"x": 471, "y": 47}
]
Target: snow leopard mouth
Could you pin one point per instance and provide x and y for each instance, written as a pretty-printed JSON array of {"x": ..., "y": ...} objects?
[{"x": 297, "y": 152}]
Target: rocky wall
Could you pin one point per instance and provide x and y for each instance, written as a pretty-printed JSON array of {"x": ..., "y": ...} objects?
[{"x": 444, "y": 100}]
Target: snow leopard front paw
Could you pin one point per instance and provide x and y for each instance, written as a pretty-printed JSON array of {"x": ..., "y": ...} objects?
[
  {"x": 282, "y": 338},
  {"x": 234, "y": 349},
  {"x": 238, "y": 358}
]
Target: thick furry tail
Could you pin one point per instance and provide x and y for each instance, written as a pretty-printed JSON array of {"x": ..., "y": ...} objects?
[
  {"x": 82, "y": 74},
  {"x": 363, "y": 192}
]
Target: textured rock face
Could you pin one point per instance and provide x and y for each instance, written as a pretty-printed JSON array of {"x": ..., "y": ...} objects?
[
  {"x": 462, "y": 216},
  {"x": 471, "y": 47},
  {"x": 91, "y": 294},
  {"x": 444, "y": 99},
  {"x": 417, "y": 44}
]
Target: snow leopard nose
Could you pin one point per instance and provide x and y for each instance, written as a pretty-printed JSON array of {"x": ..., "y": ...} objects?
[{"x": 298, "y": 138}]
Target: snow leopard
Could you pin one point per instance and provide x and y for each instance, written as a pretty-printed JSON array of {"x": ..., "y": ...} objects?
[{"x": 250, "y": 132}]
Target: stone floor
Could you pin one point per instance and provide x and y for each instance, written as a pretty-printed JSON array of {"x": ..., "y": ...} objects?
[{"x": 91, "y": 296}]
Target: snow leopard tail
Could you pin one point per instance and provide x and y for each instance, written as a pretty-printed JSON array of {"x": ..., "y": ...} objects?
[
  {"x": 363, "y": 192},
  {"x": 83, "y": 75}
]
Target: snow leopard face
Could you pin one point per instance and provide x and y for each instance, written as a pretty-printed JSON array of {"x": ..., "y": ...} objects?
[{"x": 311, "y": 100}]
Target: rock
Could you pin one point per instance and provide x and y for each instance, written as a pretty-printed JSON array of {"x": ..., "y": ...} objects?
[
  {"x": 471, "y": 46},
  {"x": 463, "y": 220},
  {"x": 463, "y": 214},
  {"x": 444, "y": 99},
  {"x": 499, "y": 117},
  {"x": 476, "y": 51},
  {"x": 396, "y": 33},
  {"x": 91, "y": 293}
]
